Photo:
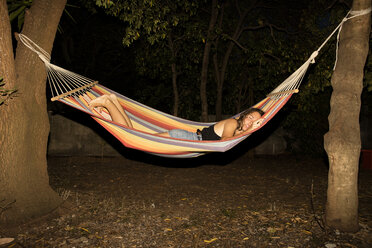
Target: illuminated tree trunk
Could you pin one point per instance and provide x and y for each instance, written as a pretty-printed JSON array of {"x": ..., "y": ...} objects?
[
  {"x": 24, "y": 126},
  {"x": 342, "y": 142}
]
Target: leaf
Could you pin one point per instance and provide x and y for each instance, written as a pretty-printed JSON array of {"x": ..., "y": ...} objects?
[
  {"x": 84, "y": 229},
  {"x": 69, "y": 228},
  {"x": 16, "y": 13},
  {"x": 4, "y": 241},
  {"x": 307, "y": 232},
  {"x": 210, "y": 241},
  {"x": 330, "y": 245}
]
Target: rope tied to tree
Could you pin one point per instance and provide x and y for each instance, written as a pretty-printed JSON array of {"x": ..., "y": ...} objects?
[
  {"x": 350, "y": 15},
  {"x": 292, "y": 83},
  {"x": 353, "y": 14},
  {"x": 43, "y": 55},
  {"x": 62, "y": 82}
]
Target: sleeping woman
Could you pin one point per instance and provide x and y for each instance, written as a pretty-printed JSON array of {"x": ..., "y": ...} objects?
[{"x": 225, "y": 129}]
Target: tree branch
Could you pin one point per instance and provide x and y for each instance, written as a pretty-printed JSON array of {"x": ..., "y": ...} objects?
[
  {"x": 272, "y": 56},
  {"x": 238, "y": 44}
]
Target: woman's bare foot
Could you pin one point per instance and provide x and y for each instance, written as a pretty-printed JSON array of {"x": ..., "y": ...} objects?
[
  {"x": 113, "y": 106},
  {"x": 101, "y": 101}
]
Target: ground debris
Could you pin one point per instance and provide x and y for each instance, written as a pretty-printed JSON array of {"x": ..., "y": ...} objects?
[{"x": 118, "y": 202}]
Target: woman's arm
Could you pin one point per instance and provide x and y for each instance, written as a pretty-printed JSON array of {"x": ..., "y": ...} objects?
[{"x": 229, "y": 129}]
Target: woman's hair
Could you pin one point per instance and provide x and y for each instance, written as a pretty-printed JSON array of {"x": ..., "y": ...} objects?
[{"x": 247, "y": 112}]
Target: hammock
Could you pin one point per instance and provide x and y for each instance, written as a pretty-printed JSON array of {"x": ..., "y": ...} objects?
[{"x": 77, "y": 91}]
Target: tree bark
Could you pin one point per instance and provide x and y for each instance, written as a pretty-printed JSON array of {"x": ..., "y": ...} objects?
[
  {"x": 342, "y": 142},
  {"x": 221, "y": 68},
  {"x": 174, "y": 75},
  {"x": 24, "y": 124},
  {"x": 175, "y": 90},
  {"x": 205, "y": 63}
]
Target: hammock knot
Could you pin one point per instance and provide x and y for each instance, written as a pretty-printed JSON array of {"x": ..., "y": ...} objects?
[
  {"x": 43, "y": 55},
  {"x": 360, "y": 12},
  {"x": 313, "y": 56},
  {"x": 44, "y": 58}
]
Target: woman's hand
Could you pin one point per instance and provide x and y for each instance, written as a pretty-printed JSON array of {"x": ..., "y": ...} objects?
[{"x": 257, "y": 123}]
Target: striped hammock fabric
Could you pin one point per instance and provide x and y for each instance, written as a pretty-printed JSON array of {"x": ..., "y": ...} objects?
[
  {"x": 148, "y": 122},
  {"x": 77, "y": 91}
]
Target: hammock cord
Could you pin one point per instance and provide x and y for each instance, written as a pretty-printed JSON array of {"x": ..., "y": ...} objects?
[{"x": 354, "y": 13}]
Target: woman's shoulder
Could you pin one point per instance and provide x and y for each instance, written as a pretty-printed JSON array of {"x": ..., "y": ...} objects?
[
  {"x": 230, "y": 122},
  {"x": 226, "y": 127},
  {"x": 225, "y": 122}
]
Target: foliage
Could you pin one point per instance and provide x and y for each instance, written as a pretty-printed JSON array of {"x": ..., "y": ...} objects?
[
  {"x": 153, "y": 62},
  {"x": 17, "y": 9},
  {"x": 164, "y": 34},
  {"x": 152, "y": 19},
  {"x": 4, "y": 93},
  {"x": 104, "y": 3}
]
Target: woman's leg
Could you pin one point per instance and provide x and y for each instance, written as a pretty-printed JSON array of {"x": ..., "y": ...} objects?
[
  {"x": 165, "y": 134},
  {"x": 114, "y": 99},
  {"x": 106, "y": 102}
]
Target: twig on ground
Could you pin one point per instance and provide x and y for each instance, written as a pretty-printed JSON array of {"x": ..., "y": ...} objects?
[
  {"x": 319, "y": 221},
  {"x": 6, "y": 206}
]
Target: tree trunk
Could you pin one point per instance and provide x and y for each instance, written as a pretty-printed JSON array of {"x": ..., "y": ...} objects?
[
  {"x": 174, "y": 75},
  {"x": 220, "y": 71},
  {"x": 24, "y": 124},
  {"x": 175, "y": 90},
  {"x": 342, "y": 142},
  {"x": 221, "y": 79},
  {"x": 218, "y": 88},
  {"x": 205, "y": 63}
]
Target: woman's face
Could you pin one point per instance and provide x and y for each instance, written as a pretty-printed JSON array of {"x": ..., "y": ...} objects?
[{"x": 249, "y": 120}]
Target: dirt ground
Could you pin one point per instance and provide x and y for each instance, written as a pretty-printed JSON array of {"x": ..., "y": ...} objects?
[{"x": 212, "y": 201}]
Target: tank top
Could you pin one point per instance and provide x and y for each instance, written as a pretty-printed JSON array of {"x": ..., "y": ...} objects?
[{"x": 209, "y": 134}]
